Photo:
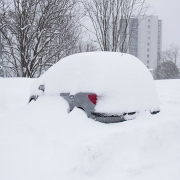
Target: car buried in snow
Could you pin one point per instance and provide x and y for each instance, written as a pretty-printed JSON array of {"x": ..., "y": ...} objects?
[{"x": 108, "y": 86}]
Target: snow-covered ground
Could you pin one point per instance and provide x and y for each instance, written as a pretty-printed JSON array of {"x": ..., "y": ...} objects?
[{"x": 40, "y": 141}]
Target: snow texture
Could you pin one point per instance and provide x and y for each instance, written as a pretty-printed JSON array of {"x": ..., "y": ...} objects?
[
  {"x": 40, "y": 141},
  {"x": 121, "y": 81}
]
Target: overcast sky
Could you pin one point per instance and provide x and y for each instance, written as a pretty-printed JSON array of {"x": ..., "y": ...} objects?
[{"x": 169, "y": 12}]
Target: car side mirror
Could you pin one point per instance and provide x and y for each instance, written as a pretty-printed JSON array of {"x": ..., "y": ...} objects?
[{"x": 41, "y": 87}]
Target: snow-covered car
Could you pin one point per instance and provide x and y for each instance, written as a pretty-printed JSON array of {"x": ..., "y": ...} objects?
[{"x": 109, "y": 86}]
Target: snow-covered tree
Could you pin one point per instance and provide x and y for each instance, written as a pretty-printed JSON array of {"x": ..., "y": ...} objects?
[
  {"x": 167, "y": 70},
  {"x": 37, "y": 33},
  {"x": 171, "y": 54}
]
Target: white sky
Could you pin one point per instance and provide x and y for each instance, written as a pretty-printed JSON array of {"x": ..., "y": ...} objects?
[{"x": 169, "y": 12}]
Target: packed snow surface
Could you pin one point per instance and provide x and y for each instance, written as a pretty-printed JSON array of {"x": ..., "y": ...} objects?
[
  {"x": 121, "y": 81},
  {"x": 40, "y": 141}
]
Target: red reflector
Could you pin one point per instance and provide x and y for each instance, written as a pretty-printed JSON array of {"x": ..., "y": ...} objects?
[{"x": 93, "y": 98}]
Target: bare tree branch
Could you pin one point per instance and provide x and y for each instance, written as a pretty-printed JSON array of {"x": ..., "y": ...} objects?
[
  {"x": 111, "y": 20},
  {"x": 38, "y": 32}
]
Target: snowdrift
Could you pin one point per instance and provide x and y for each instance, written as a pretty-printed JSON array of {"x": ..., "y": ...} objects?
[{"x": 40, "y": 141}]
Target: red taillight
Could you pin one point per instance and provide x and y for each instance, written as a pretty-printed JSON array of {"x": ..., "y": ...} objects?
[{"x": 93, "y": 98}]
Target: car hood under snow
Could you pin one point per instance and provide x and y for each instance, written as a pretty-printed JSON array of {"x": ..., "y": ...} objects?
[{"x": 121, "y": 81}]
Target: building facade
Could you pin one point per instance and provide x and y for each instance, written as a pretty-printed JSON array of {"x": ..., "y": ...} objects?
[{"x": 146, "y": 40}]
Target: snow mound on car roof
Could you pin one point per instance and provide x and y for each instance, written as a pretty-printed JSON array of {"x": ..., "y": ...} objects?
[{"x": 122, "y": 82}]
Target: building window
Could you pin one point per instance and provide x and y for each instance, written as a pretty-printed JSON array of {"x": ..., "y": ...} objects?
[
  {"x": 148, "y": 44},
  {"x": 147, "y": 61},
  {"x": 147, "y": 55},
  {"x": 148, "y": 50},
  {"x": 148, "y": 32},
  {"x": 148, "y": 26},
  {"x": 148, "y": 67},
  {"x": 148, "y": 20}
]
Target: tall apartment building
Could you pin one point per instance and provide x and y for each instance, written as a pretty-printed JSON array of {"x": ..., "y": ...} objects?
[{"x": 146, "y": 40}]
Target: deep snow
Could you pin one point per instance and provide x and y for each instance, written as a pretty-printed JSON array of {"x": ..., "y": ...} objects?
[{"x": 40, "y": 141}]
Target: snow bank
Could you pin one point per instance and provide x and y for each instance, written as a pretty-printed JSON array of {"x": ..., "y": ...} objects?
[
  {"x": 14, "y": 92},
  {"x": 40, "y": 142},
  {"x": 168, "y": 91},
  {"x": 3, "y": 106},
  {"x": 121, "y": 81}
]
